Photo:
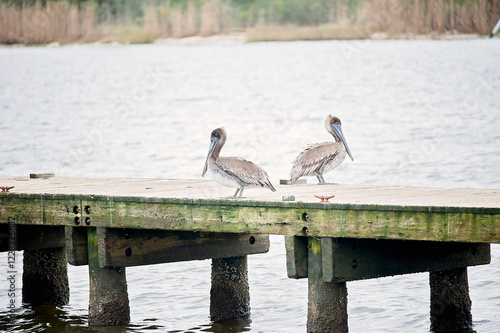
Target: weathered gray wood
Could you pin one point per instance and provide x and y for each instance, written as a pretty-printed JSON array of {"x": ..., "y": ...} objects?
[
  {"x": 450, "y": 302},
  {"x": 108, "y": 297},
  {"x": 327, "y": 307},
  {"x": 133, "y": 247},
  {"x": 296, "y": 256},
  {"x": 302, "y": 181},
  {"x": 76, "y": 245},
  {"x": 44, "y": 175},
  {"x": 229, "y": 293},
  {"x": 45, "y": 277},
  {"x": 206, "y": 189},
  {"x": 356, "y": 259},
  {"x": 31, "y": 237}
]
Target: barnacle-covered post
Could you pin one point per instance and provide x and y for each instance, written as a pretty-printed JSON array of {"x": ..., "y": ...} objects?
[
  {"x": 45, "y": 277},
  {"x": 450, "y": 301},
  {"x": 45, "y": 273},
  {"x": 229, "y": 295}
]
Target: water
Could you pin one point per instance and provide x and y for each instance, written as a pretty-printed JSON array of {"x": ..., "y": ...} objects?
[{"x": 416, "y": 113}]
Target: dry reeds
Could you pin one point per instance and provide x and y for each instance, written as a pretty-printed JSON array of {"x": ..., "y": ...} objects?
[
  {"x": 393, "y": 18},
  {"x": 63, "y": 21},
  {"x": 426, "y": 16},
  {"x": 44, "y": 24}
]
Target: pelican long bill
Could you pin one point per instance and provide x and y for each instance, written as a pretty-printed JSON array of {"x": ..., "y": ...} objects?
[
  {"x": 213, "y": 143},
  {"x": 338, "y": 130}
]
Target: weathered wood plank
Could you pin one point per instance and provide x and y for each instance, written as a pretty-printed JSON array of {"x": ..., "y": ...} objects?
[
  {"x": 23, "y": 209},
  {"x": 108, "y": 295},
  {"x": 356, "y": 259},
  {"x": 32, "y": 237},
  {"x": 76, "y": 245},
  {"x": 458, "y": 215},
  {"x": 205, "y": 189},
  {"x": 324, "y": 220},
  {"x": 327, "y": 301},
  {"x": 296, "y": 256},
  {"x": 44, "y": 175},
  {"x": 133, "y": 247}
]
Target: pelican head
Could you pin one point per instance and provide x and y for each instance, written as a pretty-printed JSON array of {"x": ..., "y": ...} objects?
[
  {"x": 334, "y": 127},
  {"x": 217, "y": 140}
]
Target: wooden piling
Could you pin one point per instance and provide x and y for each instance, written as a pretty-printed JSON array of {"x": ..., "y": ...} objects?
[
  {"x": 45, "y": 277},
  {"x": 108, "y": 297},
  {"x": 229, "y": 294},
  {"x": 450, "y": 301},
  {"x": 327, "y": 308}
]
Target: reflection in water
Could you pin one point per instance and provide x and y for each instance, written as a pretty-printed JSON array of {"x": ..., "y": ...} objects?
[
  {"x": 45, "y": 318},
  {"x": 232, "y": 325}
]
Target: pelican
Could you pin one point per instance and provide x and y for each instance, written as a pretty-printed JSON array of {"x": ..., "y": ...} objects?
[
  {"x": 319, "y": 158},
  {"x": 233, "y": 172}
]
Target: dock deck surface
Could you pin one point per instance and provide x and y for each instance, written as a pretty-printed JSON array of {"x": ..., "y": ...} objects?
[{"x": 207, "y": 189}]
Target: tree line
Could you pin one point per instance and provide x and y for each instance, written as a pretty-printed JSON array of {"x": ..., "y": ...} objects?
[{"x": 41, "y": 21}]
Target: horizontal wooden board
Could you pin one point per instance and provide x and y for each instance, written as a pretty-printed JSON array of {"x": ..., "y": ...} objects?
[
  {"x": 76, "y": 245},
  {"x": 296, "y": 256},
  {"x": 132, "y": 247},
  {"x": 458, "y": 215},
  {"x": 357, "y": 259},
  {"x": 30, "y": 237}
]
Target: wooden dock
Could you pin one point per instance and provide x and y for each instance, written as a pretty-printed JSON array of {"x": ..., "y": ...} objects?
[{"x": 362, "y": 232}]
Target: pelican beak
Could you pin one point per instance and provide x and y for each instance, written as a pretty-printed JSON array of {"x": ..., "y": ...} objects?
[
  {"x": 213, "y": 143},
  {"x": 338, "y": 131}
]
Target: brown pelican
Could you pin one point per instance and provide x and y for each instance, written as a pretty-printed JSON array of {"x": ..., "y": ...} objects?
[
  {"x": 233, "y": 171},
  {"x": 319, "y": 158}
]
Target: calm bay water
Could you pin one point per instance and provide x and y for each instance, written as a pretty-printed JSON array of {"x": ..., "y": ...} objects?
[{"x": 416, "y": 113}]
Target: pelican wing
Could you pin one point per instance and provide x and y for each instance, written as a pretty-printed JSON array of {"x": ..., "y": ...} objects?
[
  {"x": 311, "y": 160},
  {"x": 247, "y": 173}
]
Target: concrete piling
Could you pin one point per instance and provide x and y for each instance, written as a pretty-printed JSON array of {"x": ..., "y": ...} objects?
[
  {"x": 229, "y": 294},
  {"x": 450, "y": 301},
  {"x": 45, "y": 277}
]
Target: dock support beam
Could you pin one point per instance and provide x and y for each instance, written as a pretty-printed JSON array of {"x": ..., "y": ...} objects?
[
  {"x": 229, "y": 295},
  {"x": 327, "y": 307},
  {"x": 45, "y": 277},
  {"x": 108, "y": 297},
  {"x": 450, "y": 302}
]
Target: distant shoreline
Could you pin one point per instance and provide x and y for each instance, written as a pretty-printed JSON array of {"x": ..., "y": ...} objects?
[
  {"x": 61, "y": 22},
  {"x": 240, "y": 38}
]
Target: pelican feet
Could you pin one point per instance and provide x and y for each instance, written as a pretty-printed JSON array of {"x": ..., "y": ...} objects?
[
  {"x": 236, "y": 196},
  {"x": 323, "y": 182}
]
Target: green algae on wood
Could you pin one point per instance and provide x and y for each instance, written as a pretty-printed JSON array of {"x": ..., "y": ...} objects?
[
  {"x": 327, "y": 301},
  {"x": 324, "y": 220}
]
